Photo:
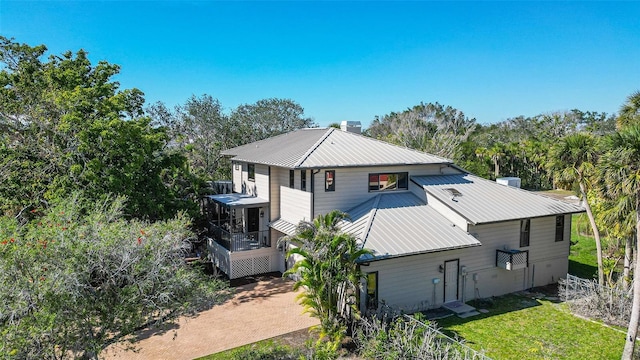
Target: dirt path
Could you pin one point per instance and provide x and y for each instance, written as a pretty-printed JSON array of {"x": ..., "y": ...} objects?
[{"x": 256, "y": 312}]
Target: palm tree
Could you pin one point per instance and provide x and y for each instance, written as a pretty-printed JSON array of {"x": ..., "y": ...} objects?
[
  {"x": 620, "y": 168},
  {"x": 571, "y": 162},
  {"x": 328, "y": 271},
  {"x": 630, "y": 111}
]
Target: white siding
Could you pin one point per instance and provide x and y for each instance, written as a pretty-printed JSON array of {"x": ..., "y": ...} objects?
[
  {"x": 352, "y": 185},
  {"x": 295, "y": 205},
  {"x": 408, "y": 282}
]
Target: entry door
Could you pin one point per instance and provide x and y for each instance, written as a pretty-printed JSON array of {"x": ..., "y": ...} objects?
[
  {"x": 451, "y": 280},
  {"x": 253, "y": 219}
]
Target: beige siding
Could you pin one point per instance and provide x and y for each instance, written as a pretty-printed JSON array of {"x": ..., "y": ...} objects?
[
  {"x": 295, "y": 205},
  {"x": 446, "y": 211},
  {"x": 237, "y": 172},
  {"x": 352, "y": 185},
  {"x": 408, "y": 282},
  {"x": 274, "y": 185},
  {"x": 262, "y": 181}
]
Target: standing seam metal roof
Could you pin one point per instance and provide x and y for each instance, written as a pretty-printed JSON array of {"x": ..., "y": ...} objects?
[
  {"x": 400, "y": 224},
  {"x": 484, "y": 201},
  {"x": 323, "y": 148}
]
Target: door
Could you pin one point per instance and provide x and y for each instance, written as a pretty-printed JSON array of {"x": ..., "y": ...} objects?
[
  {"x": 253, "y": 220},
  {"x": 451, "y": 280}
]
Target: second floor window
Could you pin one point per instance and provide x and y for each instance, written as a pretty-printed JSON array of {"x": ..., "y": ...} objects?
[
  {"x": 559, "y": 228},
  {"x": 330, "y": 180},
  {"x": 303, "y": 180},
  {"x": 525, "y": 229},
  {"x": 388, "y": 181},
  {"x": 251, "y": 171},
  {"x": 292, "y": 177}
]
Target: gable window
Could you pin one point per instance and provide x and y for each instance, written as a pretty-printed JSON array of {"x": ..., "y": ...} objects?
[
  {"x": 559, "y": 228},
  {"x": 330, "y": 180},
  {"x": 303, "y": 180},
  {"x": 525, "y": 229},
  {"x": 251, "y": 171},
  {"x": 292, "y": 177},
  {"x": 372, "y": 291},
  {"x": 388, "y": 181}
]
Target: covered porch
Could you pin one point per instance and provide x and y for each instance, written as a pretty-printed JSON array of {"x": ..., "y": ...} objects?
[{"x": 237, "y": 221}]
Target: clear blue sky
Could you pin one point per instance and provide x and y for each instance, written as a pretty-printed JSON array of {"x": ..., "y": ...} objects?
[{"x": 355, "y": 60}]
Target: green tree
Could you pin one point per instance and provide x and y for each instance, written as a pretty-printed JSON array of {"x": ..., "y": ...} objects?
[
  {"x": 269, "y": 117},
  {"x": 620, "y": 172},
  {"x": 66, "y": 126},
  {"x": 630, "y": 111},
  {"x": 433, "y": 128},
  {"x": 572, "y": 161},
  {"x": 328, "y": 271},
  {"x": 78, "y": 277}
]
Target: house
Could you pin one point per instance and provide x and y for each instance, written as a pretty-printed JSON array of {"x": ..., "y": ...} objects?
[{"x": 437, "y": 233}]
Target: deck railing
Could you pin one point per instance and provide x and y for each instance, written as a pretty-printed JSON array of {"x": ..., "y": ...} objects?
[{"x": 240, "y": 241}]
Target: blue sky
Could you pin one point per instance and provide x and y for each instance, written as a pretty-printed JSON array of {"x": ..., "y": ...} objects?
[{"x": 355, "y": 60}]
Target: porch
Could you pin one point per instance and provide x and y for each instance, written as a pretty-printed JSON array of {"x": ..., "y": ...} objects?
[
  {"x": 239, "y": 237},
  {"x": 237, "y": 221}
]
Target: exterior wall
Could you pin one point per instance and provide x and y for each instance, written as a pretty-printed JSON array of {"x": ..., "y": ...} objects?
[
  {"x": 274, "y": 186},
  {"x": 407, "y": 282},
  {"x": 352, "y": 185},
  {"x": 257, "y": 187},
  {"x": 295, "y": 205},
  {"x": 236, "y": 176},
  {"x": 446, "y": 211}
]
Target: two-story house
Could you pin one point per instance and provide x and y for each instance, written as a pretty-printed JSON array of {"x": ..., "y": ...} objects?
[{"x": 437, "y": 233}]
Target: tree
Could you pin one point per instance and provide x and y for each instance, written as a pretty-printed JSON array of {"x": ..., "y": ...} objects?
[
  {"x": 630, "y": 111},
  {"x": 433, "y": 128},
  {"x": 572, "y": 161},
  {"x": 328, "y": 271},
  {"x": 269, "y": 117},
  {"x": 66, "y": 126},
  {"x": 620, "y": 172},
  {"x": 79, "y": 277}
]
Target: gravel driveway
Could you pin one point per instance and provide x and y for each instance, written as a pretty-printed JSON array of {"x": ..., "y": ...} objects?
[{"x": 256, "y": 312}]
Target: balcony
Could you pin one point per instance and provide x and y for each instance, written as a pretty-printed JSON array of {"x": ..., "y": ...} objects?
[
  {"x": 512, "y": 259},
  {"x": 239, "y": 241}
]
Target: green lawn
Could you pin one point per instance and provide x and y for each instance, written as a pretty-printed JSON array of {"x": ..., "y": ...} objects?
[
  {"x": 263, "y": 350},
  {"x": 582, "y": 258},
  {"x": 519, "y": 327}
]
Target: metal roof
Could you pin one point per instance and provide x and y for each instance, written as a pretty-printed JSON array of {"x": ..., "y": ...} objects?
[
  {"x": 480, "y": 200},
  {"x": 239, "y": 200},
  {"x": 284, "y": 226},
  {"x": 325, "y": 148},
  {"x": 401, "y": 224}
]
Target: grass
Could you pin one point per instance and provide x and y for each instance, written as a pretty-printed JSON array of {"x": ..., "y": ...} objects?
[
  {"x": 264, "y": 350},
  {"x": 582, "y": 258},
  {"x": 520, "y": 327}
]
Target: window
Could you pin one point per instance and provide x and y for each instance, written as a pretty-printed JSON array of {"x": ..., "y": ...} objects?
[
  {"x": 330, "y": 180},
  {"x": 525, "y": 227},
  {"x": 388, "y": 181},
  {"x": 303, "y": 180},
  {"x": 372, "y": 291},
  {"x": 251, "y": 170},
  {"x": 292, "y": 177},
  {"x": 559, "y": 228}
]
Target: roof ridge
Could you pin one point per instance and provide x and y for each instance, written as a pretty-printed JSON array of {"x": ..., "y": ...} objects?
[
  {"x": 313, "y": 147},
  {"x": 372, "y": 212},
  {"x": 401, "y": 146}
]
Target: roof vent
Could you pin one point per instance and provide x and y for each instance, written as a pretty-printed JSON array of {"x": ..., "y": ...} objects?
[
  {"x": 509, "y": 181},
  {"x": 351, "y": 126},
  {"x": 454, "y": 193}
]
